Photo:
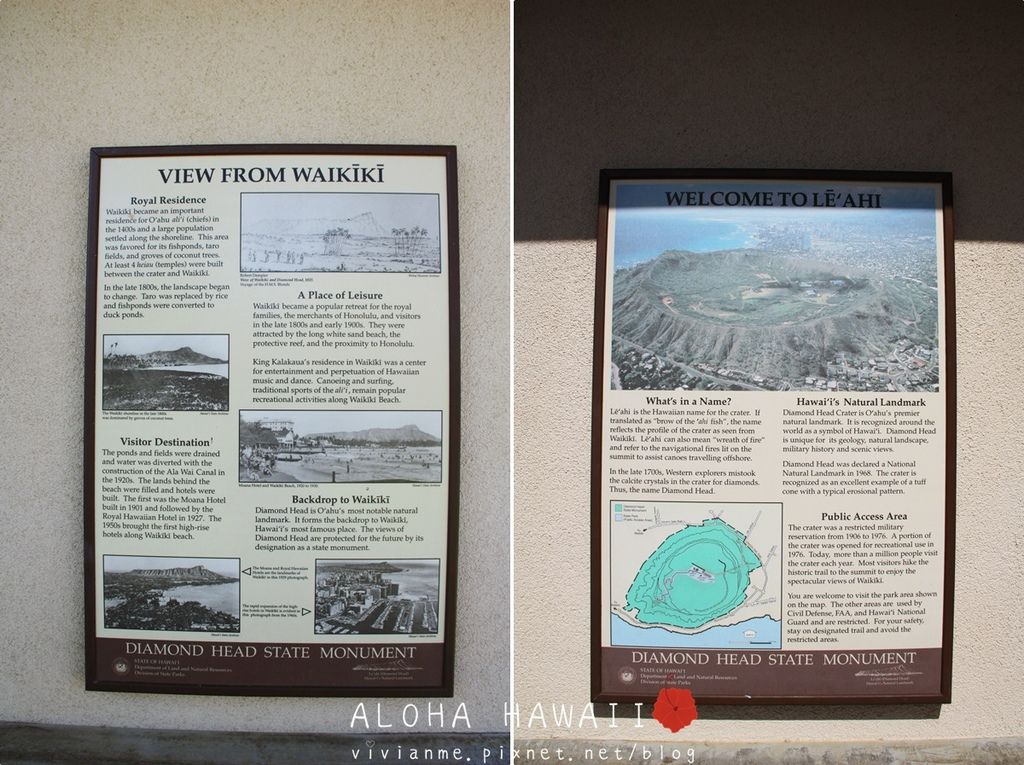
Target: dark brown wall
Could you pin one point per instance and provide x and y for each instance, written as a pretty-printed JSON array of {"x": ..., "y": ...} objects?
[{"x": 876, "y": 84}]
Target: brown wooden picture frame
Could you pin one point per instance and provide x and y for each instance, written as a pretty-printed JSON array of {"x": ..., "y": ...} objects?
[
  {"x": 777, "y": 688},
  {"x": 267, "y": 678}
]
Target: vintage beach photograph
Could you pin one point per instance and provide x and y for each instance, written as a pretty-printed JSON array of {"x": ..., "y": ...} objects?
[
  {"x": 377, "y": 597},
  {"x": 165, "y": 373},
  {"x": 327, "y": 446},
  {"x": 171, "y": 594},
  {"x": 353, "y": 232}
]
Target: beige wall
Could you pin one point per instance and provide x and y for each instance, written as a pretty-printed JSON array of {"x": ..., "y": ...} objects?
[
  {"x": 910, "y": 85},
  {"x": 82, "y": 74}
]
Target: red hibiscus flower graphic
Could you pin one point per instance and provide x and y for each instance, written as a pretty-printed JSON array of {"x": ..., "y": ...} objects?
[{"x": 675, "y": 708}]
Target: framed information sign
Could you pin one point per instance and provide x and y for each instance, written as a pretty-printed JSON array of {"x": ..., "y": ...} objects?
[
  {"x": 773, "y": 436},
  {"x": 272, "y": 420}
]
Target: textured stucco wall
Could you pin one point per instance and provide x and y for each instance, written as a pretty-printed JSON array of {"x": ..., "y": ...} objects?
[
  {"x": 84, "y": 74},
  {"x": 910, "y": 85}
]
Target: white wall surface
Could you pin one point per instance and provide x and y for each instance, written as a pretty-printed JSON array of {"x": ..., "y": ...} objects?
[
  {"x": 877, "y": 85},
  {"x": 95, "y": 73}
]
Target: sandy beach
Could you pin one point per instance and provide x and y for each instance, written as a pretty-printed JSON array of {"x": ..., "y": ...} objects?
[{"x": 420, "y": 464}]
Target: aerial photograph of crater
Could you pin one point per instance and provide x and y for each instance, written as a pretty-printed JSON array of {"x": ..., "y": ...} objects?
[{"x": 770, "y": 298}]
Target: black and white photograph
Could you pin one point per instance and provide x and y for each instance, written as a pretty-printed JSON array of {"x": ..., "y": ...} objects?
[
  {"x": 171, "y": 594},
  {"x": 377, "y": 597},
  {"x": 326, "y": 446},
  {"x": 165, "y": 373},
  {"x": 352, "y": 232}
]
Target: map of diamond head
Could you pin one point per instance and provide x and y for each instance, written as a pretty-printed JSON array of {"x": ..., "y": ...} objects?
[{"x": 696, "y": 575}]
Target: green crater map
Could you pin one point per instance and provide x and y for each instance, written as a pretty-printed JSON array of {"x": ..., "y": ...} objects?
[{"x": 697, "y": 575}]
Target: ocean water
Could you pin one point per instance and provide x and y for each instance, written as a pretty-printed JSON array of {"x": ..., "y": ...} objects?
[
  {"x": 220, "y": 370},
  {"x": 418, "y": 579},
  {"x": 767, "y": 635},
  {"x": 643, "y": 239},
  {"x": 219, "y": 597}
]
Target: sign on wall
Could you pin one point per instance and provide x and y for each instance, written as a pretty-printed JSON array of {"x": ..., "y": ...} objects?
[
  {"x": 272, "y": 420},
  {"x": 773, "y": 438}
]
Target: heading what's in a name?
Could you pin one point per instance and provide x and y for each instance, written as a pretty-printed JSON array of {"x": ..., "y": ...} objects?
[
  {"x": 354, "y": 173},
  {"x": 676, "y": 401}
]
